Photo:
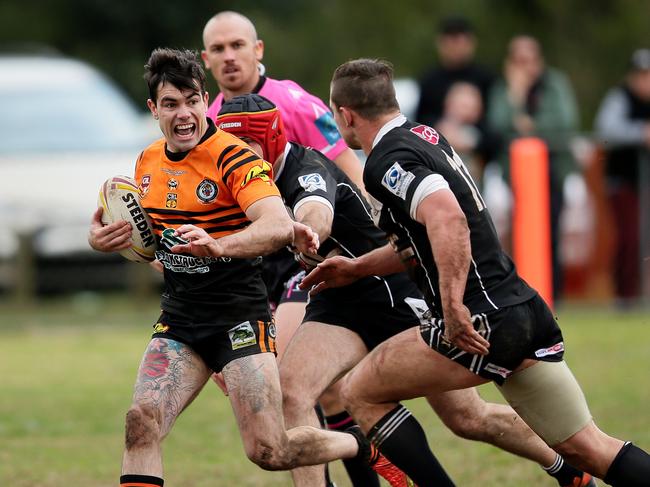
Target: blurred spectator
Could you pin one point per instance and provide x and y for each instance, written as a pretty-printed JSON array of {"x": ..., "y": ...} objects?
[
  {"x": 534, "y": 100},
  {"x": 623, "y": 125},
  {"x": 462, "y": 123},
  {"x": 456, "y": 45}
]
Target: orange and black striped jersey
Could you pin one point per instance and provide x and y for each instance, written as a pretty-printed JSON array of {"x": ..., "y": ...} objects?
[{"x": 211, "y": 186}]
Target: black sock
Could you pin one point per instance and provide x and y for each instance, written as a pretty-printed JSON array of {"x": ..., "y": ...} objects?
[
  {"x": 401, "y": 439},
  {"x": 360, "y": 473},
  {"x": 140, "y": 481},
  {"x": 630, "y": 468},
  {"x": 563, "y": 472}
]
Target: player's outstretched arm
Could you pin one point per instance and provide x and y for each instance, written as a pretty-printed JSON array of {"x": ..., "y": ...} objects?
[
  {"x": 270, "y": 230},
  {"x": 108, "y": 238},
  {"x": 340, "y": 271}
]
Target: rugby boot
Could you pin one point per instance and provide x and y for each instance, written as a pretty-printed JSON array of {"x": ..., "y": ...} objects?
[
  {"x": 378, "y": 462},
  {"x": 395, "y": 477},
  {"x": 585, "y": 480}
]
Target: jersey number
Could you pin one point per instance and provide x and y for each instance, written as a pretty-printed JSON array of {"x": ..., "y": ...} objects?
[{"x": 459, "y": 166}]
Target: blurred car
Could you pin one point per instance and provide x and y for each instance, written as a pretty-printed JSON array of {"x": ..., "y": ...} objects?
[{"x": 65, "y": 129}]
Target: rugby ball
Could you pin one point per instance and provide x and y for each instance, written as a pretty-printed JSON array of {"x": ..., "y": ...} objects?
[{"x": 119, "y": 196}]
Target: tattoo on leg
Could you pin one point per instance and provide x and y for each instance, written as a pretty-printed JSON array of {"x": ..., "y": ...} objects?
[
  {"x": 244, "y": 372},
  {"x": 162, "y": 380}
]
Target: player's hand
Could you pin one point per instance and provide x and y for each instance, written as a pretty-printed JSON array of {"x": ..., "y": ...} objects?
[
  {"x": 333, "y": 272},
  {"x": 108, "y": 238},
  {"x": 199, "y": 243},
  {"x": 305, "y": 240},
  {"x": 221, "y": 382},
  {"x": 460, "y": 331}
]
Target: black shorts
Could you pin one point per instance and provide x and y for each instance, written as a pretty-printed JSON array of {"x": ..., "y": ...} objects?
[
  {"x": 515, "y": 333},
  {"x": 277, "y": 269},
  {"x": 374, "y": 308},
  {"x": 292, "y": 293},
  {"x": 222, "y": 341}
]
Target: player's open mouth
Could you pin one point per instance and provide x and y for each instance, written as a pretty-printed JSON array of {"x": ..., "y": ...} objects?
[
  {"x": 185, "y": 130},
  {"x": 230, "y": 69}
]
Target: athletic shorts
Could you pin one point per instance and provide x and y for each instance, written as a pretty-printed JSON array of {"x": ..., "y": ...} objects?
[
  {"x": 374, "y": 308},
  {"x": 220, "y": 341},
  {"x": 292, "y": 293},
  {"x": 277, "y": 269},
  {"x": 526, "y": 330}
]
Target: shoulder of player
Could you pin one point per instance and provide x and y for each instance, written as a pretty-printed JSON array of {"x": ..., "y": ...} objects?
[
  {"x": 223, "y": 145},
  {"x": 302, "y": 160},
  {"x": 288, "y": 95},
  {"x": 152, "y": 151},
  {"x": 397, "y": 143}
]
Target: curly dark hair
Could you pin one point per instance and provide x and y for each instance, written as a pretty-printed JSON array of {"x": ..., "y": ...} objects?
[{"x": 180, "y": 68}]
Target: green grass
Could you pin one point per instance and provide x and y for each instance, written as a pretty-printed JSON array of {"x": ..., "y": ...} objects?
[{"x": 66, "y": 375}]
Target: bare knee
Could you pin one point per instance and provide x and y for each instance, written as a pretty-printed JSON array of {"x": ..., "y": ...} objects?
[
  {"x": 350, "y": 398},
  {"x": 466, "y": 414},
  {"x": 466, "y": 422},
  {"x": 330, "y": 399},
  {"x": 295, "y": 403},
  {"x": 142, "y": 426}
]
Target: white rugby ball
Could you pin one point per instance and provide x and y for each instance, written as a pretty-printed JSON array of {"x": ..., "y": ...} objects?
[{"x": 119, "y": 196}]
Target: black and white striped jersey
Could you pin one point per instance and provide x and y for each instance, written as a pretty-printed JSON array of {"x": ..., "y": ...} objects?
[{"x": 410, "y": 161}]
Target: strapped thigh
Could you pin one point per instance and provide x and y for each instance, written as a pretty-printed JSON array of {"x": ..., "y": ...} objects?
[{"x": 549, "y": 399}]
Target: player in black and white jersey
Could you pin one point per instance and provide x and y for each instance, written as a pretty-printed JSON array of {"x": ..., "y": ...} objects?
[
  {"x": 491, "y": 326},
  {"x": 342, "y": 324}
]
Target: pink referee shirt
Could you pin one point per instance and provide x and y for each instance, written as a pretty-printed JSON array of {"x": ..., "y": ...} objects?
[{"x": 307, "y": 120}]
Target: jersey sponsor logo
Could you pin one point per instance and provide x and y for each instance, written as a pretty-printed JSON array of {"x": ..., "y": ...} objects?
[
  {"x": 397, "y": 180},
  {"x": 145, "y": 183},
  {"x": 327, "y": 127},
  {"x": 312, "y": 182},
  {"x": 173, "y": 172},
  {"x": 272, "y": 330},
  {"x": 554, "y": 350},
  {"x": 498, "y": 370},
  {"x": 172, "y": 184},
  {"x": 229, "y": 125},
  {"x": 426, "y": 133},
  {"x": 207, "y": 191},
  {"x": 420, "y": 308},
  {"x": 169, "y": 238},
  {"x": 171, "y": 201},
  {"x": 160, "y": 328},
  {"x": 258, "y": 172},
  {"x": 242, "y": 335},
  {"x": 187, "y": 264}
]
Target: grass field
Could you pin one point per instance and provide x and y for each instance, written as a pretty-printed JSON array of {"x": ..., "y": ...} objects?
[{"x": 67, "y": 369}]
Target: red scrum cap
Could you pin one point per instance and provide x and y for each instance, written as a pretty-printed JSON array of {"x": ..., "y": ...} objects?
[{"x": 253, "y": 116}]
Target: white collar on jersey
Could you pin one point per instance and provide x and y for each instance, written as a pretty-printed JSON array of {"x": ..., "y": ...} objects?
[
  {"x": 277, "y": 173},
  {"x": 398, "y": 121}
]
